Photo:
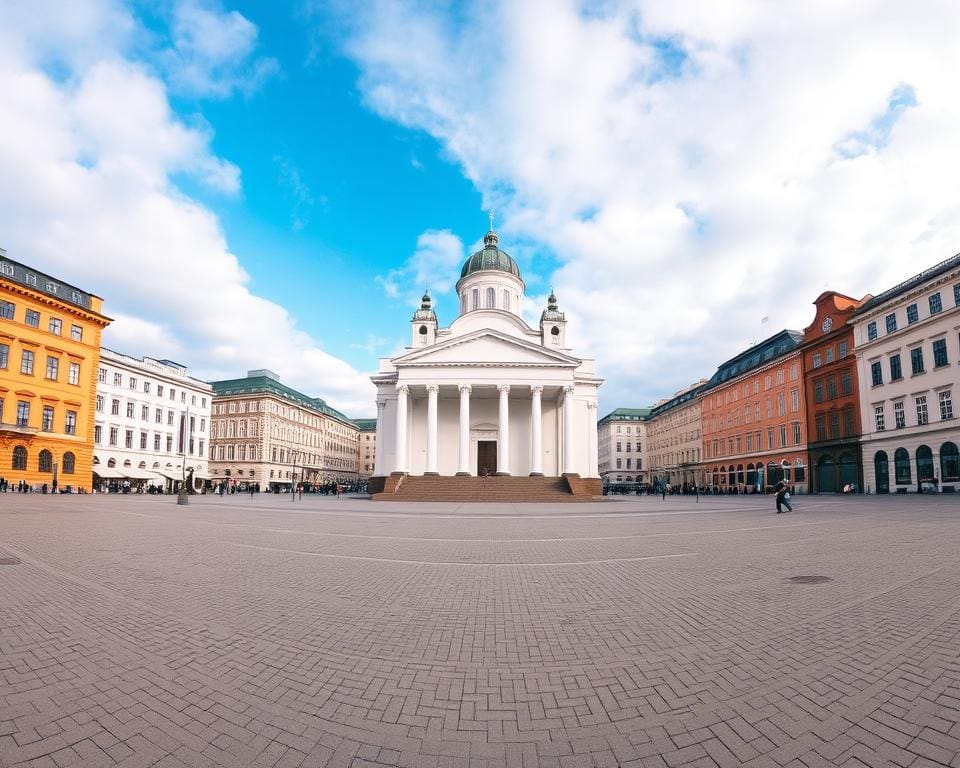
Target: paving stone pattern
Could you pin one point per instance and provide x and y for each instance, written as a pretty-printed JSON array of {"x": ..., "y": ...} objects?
[{"x": 639, "y": 632}]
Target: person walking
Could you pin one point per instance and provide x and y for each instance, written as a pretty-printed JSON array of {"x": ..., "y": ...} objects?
[{"x": 783, "y": 497}]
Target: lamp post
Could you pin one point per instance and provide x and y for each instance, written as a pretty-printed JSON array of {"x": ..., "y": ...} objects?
[
  {"x": 182, "y": 497},
  {"x": 294, "y": 455}
]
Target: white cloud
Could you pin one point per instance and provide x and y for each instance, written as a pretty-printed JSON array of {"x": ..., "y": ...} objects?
[
  {"x": 87, "y": 160},
  {"x": 695, "y": 166},
  {"x": 213, "y": 51},
  {"x": 433, "y": 266}
]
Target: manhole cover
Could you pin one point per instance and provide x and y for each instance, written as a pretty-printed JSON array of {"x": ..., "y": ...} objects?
[
  {"x": 809, "y": 579},
  {"x": 9, "y": 561}
]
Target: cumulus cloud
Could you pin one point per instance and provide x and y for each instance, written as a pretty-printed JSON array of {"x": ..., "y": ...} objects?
[
  {"x": 694, "y": 166},
  {"x": 213, "y": 51},
  {"x": 433, "y": 266},
  {"x": 88, "y": 160}
]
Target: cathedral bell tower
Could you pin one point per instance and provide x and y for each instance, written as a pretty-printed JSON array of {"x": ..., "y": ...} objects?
[
  {"x": 423, "y": 326},
  {"x": 553, "y": 325}
]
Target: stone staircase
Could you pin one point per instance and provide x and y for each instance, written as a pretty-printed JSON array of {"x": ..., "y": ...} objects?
[{"x": 491, "y": 489}]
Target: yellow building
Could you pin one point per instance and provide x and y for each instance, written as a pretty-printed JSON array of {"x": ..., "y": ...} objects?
[{"x": 49, "y": 360}]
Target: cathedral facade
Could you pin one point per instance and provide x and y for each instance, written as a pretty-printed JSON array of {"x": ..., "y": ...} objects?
[{"x": 487, "y": 395}]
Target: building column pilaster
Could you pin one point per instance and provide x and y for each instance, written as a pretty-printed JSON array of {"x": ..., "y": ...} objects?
[
  {"x": 594, "y": 448},
  {"x": 464, "y": 465},
  {"x": 378, "y": 452},
  {"x": 536, "y": 431},
  {"x": 568, "y": 463},
  {"x": 432, "y": 392},
  {"x": 401, "y": 447},
  {"x": 503, "y": 441}
]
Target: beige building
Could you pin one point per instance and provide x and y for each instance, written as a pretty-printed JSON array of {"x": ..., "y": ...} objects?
[
  {"x": 674, "y": 439},
  {"x": 622, "y": 441},
  {"x": 368, "y": 446},
  {"x": 264, "y": 432}
]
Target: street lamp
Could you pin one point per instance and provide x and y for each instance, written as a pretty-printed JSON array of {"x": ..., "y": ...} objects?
[{"x": 182, "y": 497}]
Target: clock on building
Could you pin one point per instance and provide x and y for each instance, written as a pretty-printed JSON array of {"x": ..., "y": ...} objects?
[{"x": 827, "y": 324}]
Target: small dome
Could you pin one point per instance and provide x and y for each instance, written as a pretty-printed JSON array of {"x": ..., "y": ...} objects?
[{"x": 490, "y": 257}]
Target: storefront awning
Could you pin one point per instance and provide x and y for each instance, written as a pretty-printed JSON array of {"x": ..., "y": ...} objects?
[
  {"x": 140, "y": 474},
  {"x": 169, "y": 474},
  {"x": 108, "y": 473}
]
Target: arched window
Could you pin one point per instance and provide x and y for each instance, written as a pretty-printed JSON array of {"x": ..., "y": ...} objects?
[
  {"x": 111, "y": 463},
  {"x": 19, "y": 457},
  {"x": 45, "y": 461},
  {"x": 924, "y": 463},
  {"x": 751, "y": 475},
  {"x": 69, "y": 463},
  {"x": 901, "y": 466},
  {"x": 740, "y": 473},
  {"x": 949, "y": 462},
  {"x": 463, "y": 303},
  {"x": 491, "y": 298},
  {"x": 475, "y": 298},
  {"x": 506, "y": 299},
  {"x": 881, "y": 470}
]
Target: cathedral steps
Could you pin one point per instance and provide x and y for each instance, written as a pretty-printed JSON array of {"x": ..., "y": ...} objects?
[{"x": 489, "y": 489}]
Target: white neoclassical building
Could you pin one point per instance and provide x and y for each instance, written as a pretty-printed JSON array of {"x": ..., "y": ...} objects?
[{"x": 488, "y": 395}]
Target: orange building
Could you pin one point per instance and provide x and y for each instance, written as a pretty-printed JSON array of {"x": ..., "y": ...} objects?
[
  {"x": 753, "y": 417},
  {"x": 49, "y": 356},
  {"x": 832, "y": 395}
]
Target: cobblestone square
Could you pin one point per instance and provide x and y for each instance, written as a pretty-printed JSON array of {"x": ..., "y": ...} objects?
[{"x": 258, "y": 631}]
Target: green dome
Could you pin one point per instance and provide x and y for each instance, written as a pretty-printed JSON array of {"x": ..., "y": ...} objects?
[{"x": 490, "y": 257}]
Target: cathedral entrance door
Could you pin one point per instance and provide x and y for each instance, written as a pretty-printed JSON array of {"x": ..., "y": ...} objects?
[{"x": 486, "y": 457}]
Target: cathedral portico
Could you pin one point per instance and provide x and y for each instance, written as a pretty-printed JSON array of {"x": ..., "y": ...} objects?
[{"x": 488, "y": 395}]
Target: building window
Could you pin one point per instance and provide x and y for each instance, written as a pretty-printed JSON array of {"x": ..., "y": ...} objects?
[
  {"x": 159, "y": 390},
  {"x": 901, "y": 464},
  {"x": 53, "y": 368},
  {"x": 956, "y": 294},
  {"x": 130, "y": 407},
  {"x": 783, "y": 435},
  {"x": 73, "y": 375},
  {"x": 26, "y": 362},
  {"x": 619, "y": 447},
  {"x": 169, "y": 443},
  {"x": 817, "y": 362},
  {"x": 156, "y": 442},
  {"x": 891, "y": 323},
  {"x": 843, "y": 349},
  {"x": 158, "y": 416},
  {"x": 939, "y": 353},
  {"x": 935, "y": 304},
  {"x": 922, "y": 417},
  {"x": 849, "y": 424},
  {"x": 828, "y": 355},
  {"x": 781, "y": 404},
  {"x": 19, "y": 457},
  {"x": 143, "y": 441},
  {"x": 70, "y": 423},
  {"x": 846, "y": 383},
  {"x": 32, "y": 318},
  {"x": 144, "y": 413},
  {"x": 879, "y": 417},
  {"x": 899, "y": 415},
  {"x": 916, "y": 360},
  {"x": 491, "y": 298},
  {"x": 102, "y": 375},
  {"x": 128, "y": 438},
  {"x": 475, "y": 298},
  {"x": 47, "y": 422},
  {"x": 834, "y": 426},
  {"x": 506, "y": 299},
  {"x": 115, "y": 408},
  {"x": 821, "y": 428},
  {"x": 463, "y": 303},
  {"x": 76, "y": 333},
  {"x": 56, "y": 325},
  {"x": 832, "y": 386},
  {"x": 114, "y": 436},
  {"x": 117, "y": 379},
  {"x": 100, "y": 403},
  {"x": 946, "y": 405},
  {"x": 912, "y": 314},
  {"x": 4, "y": 355},
  {"x": 133, "y": 382},
  {"x": 146, "y": 387},
  {"x": 45, "y": 461},
  {"x": 173, "y": 393},
  {"x": 896, "y": 372},
  {"x": 98, "y": 434},
  {"x": 872, "y": 331},
  {"x": 6, "y": 312},
  {"x": 69, "y": 463}
]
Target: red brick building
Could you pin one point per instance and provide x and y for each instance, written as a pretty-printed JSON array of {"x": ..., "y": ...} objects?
[
  {"x": 752, "y": 416},
  {"x": 832, "y": 395}
]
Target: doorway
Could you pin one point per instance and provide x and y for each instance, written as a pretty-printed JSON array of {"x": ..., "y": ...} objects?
[{"x": 486, "y": 457}]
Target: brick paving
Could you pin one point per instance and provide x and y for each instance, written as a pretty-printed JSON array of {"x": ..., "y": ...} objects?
[{"x": 260, "y": 632}]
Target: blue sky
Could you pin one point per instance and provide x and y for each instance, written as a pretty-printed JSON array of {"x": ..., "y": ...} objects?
[{"x": 253, "y": 184}]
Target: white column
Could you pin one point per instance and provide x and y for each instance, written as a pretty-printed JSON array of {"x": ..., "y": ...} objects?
[
  {"x": 568, "y": 465},
  {"x": 594, "y": 454},
  {"x": 432, "y": 391},
  {"x": 503, "y": 437},
  {"x": 464, "y": 467},
  {"x": 536, "y": 431},
  {"x": 401, "y": 462},
  {"x": 378, "y": 446}
]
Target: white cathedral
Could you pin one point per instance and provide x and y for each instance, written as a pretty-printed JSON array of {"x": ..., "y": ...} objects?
[{"x": 488, "y": 395}]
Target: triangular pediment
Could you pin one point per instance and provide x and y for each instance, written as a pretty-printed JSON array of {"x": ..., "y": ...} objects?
[{"x": 486, "y": 348}]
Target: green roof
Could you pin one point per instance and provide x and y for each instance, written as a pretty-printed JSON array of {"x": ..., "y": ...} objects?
[
  {"x": 257, "y": 385},
  {"x": 490, "y": 257},
  {"x": 365, "y": 425},
  {"x": 626, "y": 414}
]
